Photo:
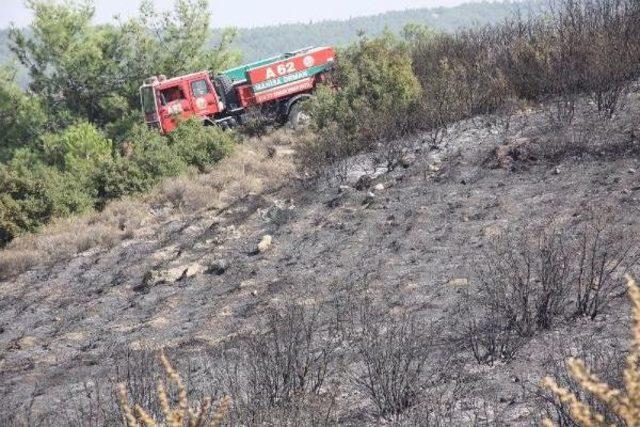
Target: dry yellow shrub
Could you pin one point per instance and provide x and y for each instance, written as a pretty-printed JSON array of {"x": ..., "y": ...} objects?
[
  {"x": 181, "y": 416},
  {"x": 625, "y": 404}
]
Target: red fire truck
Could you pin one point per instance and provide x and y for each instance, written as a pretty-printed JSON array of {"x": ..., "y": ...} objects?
[{"x": 273, "y": 87}]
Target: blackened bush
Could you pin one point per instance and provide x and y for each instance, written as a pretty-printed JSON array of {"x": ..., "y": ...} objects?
[
  {"x": 531, "y": 278},
  {"x": 489, "y": 337},
  {"x": 395, "y": 355},
  {"x": 604, "y": 253},
  {"x": 604, "y": 361},
  {"x": 525, "y": 278},
  {"x": 458, "y": 74},
  {"x": 284, "y": 368},
  {"x": 575, "y": 48}
]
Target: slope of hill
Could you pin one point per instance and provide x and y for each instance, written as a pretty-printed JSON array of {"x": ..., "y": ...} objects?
[
  {"x": 195, "y": 283},
  {"x": 255, "y": 43}
]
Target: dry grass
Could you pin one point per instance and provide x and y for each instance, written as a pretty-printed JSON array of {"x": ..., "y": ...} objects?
[
  {"x": 254, "y": 167},
  {"x": 179, "y": 416},
  {"x": 623, "y": 404},
  {"x": 186, "y": 194},
  {"x": 67, "y": 237}
]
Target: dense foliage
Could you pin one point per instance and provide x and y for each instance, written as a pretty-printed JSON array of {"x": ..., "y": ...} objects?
[
  {"x": 374, "y": 78},
  {"x": 72, "y": 141}
]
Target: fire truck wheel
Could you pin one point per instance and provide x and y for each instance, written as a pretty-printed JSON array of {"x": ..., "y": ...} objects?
[{"x": 298, "y": 118}]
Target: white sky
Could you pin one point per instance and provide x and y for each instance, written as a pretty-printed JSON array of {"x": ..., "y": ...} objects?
[{"x": 245, "y": 13}]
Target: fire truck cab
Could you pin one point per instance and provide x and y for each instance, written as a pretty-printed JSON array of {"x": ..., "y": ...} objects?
[{"x": 168, "y": 101}]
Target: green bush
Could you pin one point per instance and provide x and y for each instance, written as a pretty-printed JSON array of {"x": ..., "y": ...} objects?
[
  {"x": 150, "y": 160},
  {"x": 199, "y": 145},
  {"x": 154, "y": 157},
  {"x": 78, "y": 168},
  {"x": 79, "y": 150},
  {"x": 34, "y": 193},
  {"x": 372, "y": 91},
  {"x": 373, "y": 76}
]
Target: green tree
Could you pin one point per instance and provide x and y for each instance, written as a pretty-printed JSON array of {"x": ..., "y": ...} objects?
[
  {"x": 374, "y": 76},
  {"x": 93, "y": 72},
  {"x": 175, "y": 42},
  {"x": 21, "y": 115},
  {"x": 414, "y": 33},
  {"x": 80, "y": 150}
]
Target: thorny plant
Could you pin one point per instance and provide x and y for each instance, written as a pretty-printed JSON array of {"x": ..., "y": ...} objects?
[{"x": 180, "y": 416}]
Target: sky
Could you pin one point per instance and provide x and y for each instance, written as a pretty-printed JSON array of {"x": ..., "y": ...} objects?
[{"x": 244, "y": 13}]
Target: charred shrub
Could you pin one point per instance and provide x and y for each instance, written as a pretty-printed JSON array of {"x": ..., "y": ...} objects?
[
  {"x": 280, "y": 374},
  {"x": 459, "y": 76},
  {"x": 604, "y": 252},
  {"x": 525, "y": 280},
  {"x": 489, "y": 338},
  {"x": 530, "y": 279},
  {"x": 384, "y": 89},
  {"x": 395, "y": 355},
  {"x": 577, "y": 48}
]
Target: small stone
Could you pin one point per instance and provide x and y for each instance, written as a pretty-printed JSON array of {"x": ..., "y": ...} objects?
[
  {"x": 631, "y": 170},
  {"x": 265, "y": 243},
  {"x": 556, "y": 171},
  {"x": 491, "y": 231},
  {"x": 626, "y": 191},
  {"x": 254, "y": 293},
  {"x": 344, "y": 188},
  {"x": 379, "y": 187},
  {"x": 175, "y": 274},
  {"x": 28, "y": 342},
  {"x": 461, "y": 281}
]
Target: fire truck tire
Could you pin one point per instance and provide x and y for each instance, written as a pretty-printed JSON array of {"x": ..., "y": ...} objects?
[
  {"x": 228, "y": 91},
  {"x": 298, "y": 118}
]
